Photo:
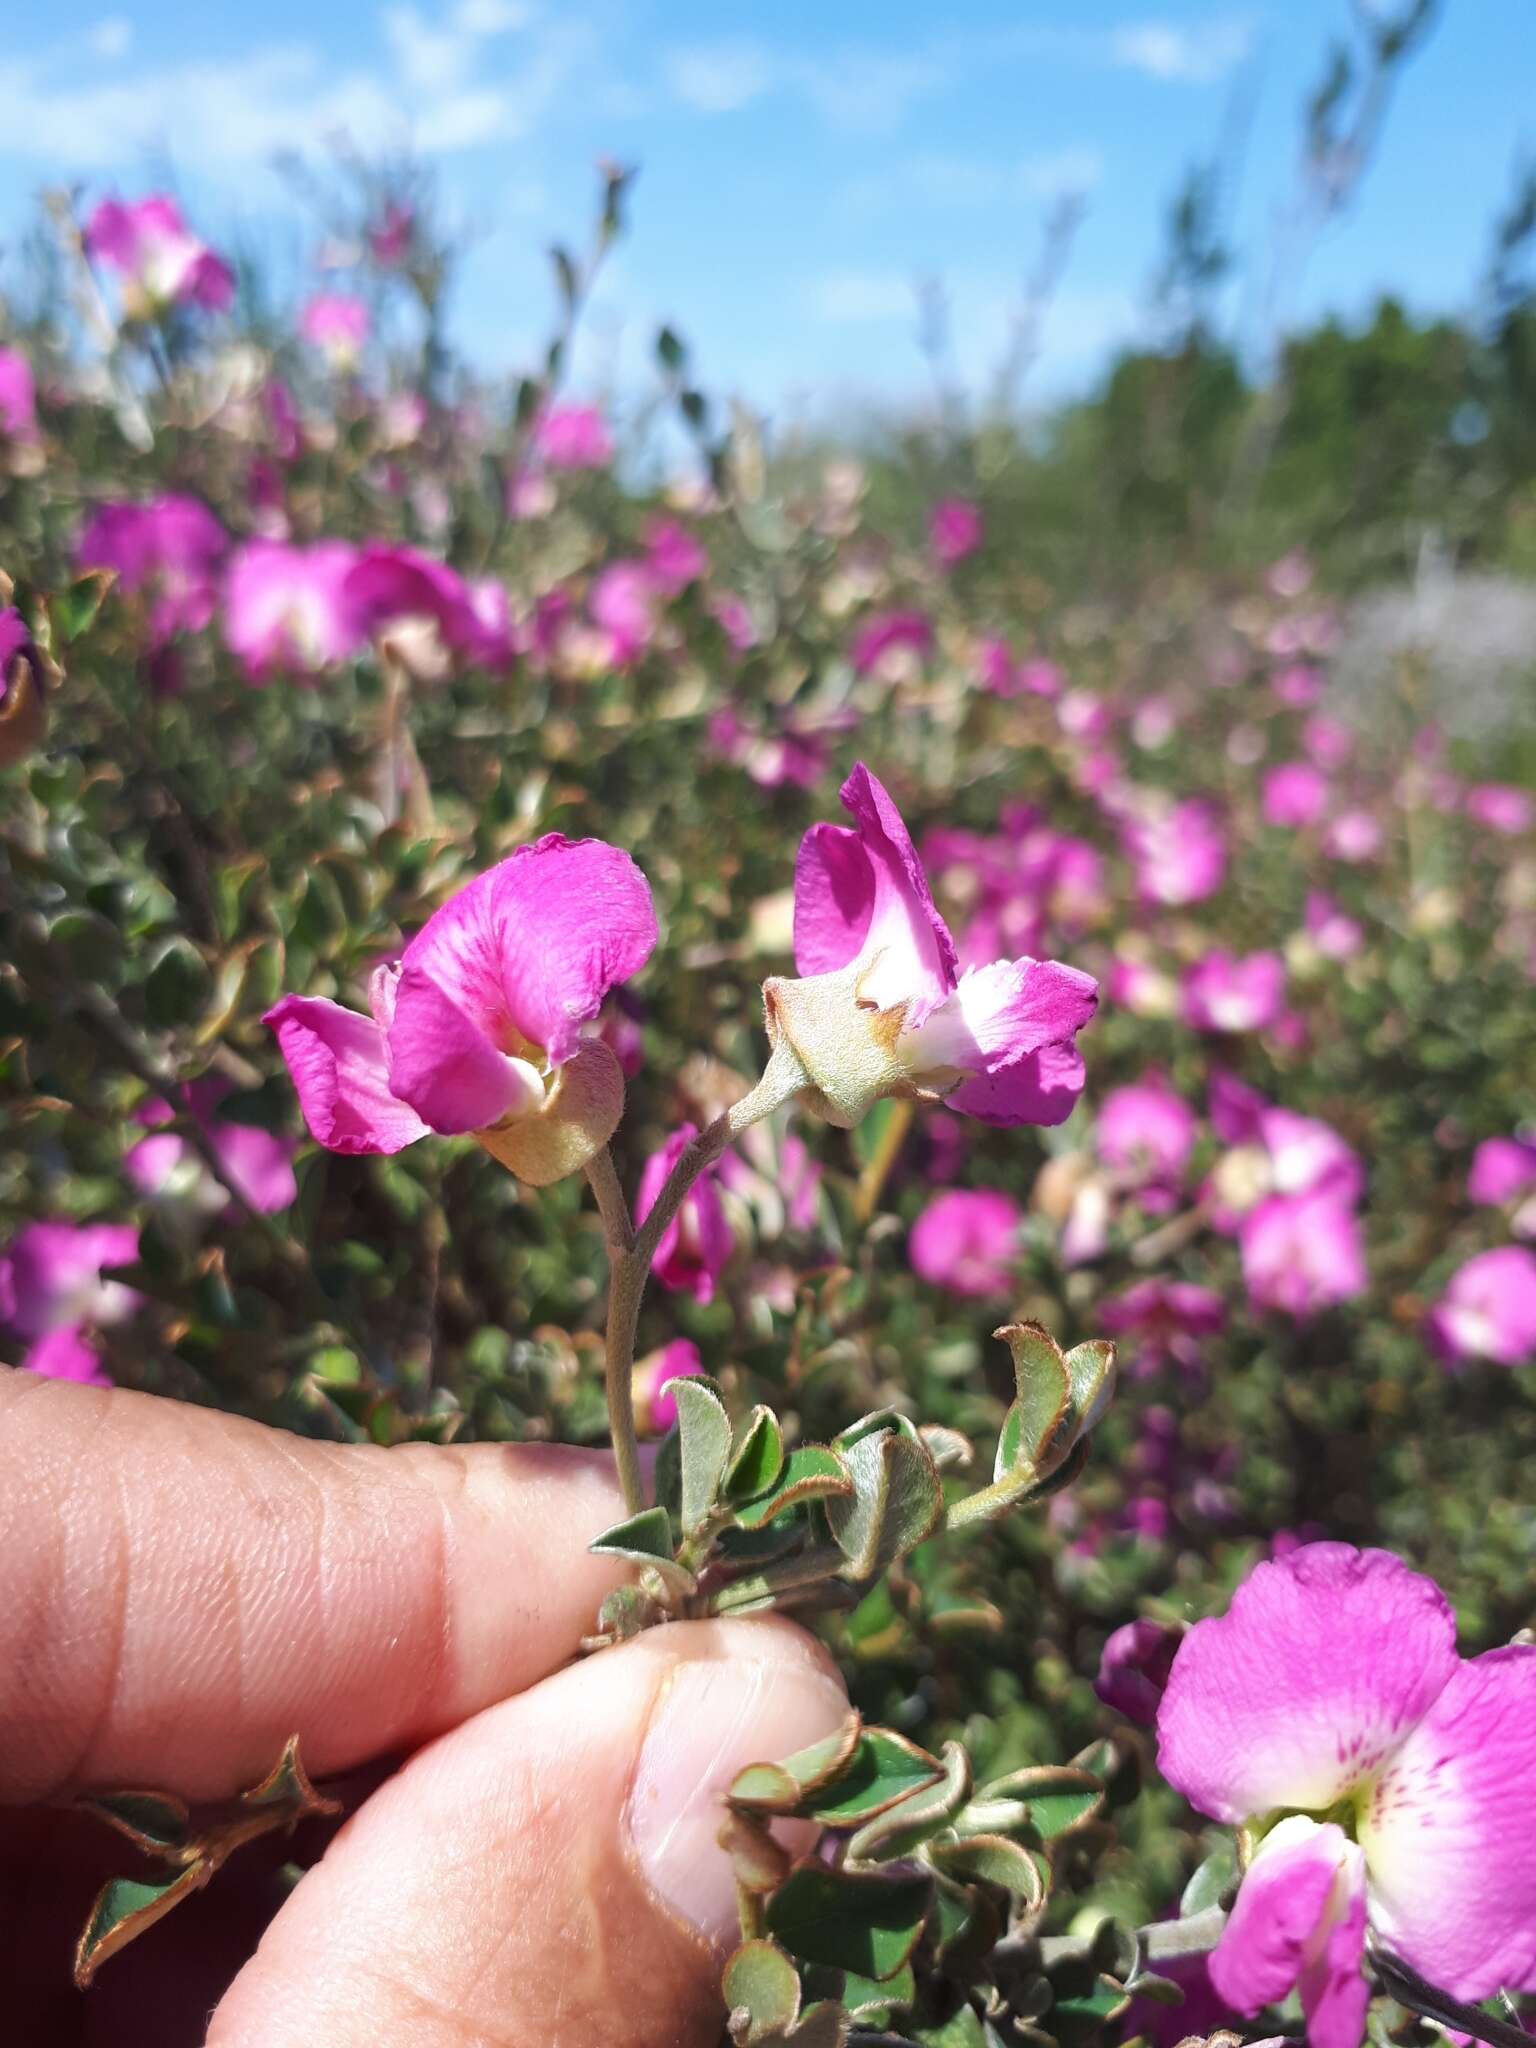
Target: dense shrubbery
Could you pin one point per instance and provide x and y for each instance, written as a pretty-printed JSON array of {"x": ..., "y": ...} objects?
[{"x": 298, "y": 648}]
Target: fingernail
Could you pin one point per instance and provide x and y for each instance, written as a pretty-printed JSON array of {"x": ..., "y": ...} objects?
[{"x": 713, "y": 1718}]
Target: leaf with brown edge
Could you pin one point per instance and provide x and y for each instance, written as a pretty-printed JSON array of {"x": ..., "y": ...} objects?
[
  {"x": 897, "y": 1501},
  {"x": 762, "y": 1989},
  {"x": 865, "y": 1921},
  {"x": 127, "y": 1907},
  {"x": 813, "y": 1472},
  {"x": 757, "y": 1458},
  {"x": 882, "y": 1770},
  {"x": 704, "y": 1440},
  {"x": 153, "y": 1821},
  {"x": 903, "y": 1827},
  {"x": 287, "y": 1785},
  {"x": 1039, "y": 1427},
  {"x": 758, "y": 1862},
  {"x": 780, "y": 1787},
  {"x": 993, "y": 1859},
  {"x": 1059, "y": 1797}
]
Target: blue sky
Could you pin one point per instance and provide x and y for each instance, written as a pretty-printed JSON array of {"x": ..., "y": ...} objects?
[{"x": 801, "y": 164}]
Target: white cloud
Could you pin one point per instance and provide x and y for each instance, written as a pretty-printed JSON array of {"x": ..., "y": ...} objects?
[
  {"x": 719, "y": 78},
  {"x": 855, "y": 297},
  {"x": 932, "y": 181},
  {"x": 1059, "y": 171},
  {"x": 110, "y": 38},
  {"x": 440, "y": 91},
  {"x": 1199, "y": 55}
]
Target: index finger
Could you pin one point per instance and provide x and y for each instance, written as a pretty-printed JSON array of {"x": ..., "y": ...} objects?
[{"x": 181, "y": 1591}]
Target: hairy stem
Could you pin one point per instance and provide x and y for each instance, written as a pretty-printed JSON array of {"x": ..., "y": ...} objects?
[{"x": 631, "y": 1253}]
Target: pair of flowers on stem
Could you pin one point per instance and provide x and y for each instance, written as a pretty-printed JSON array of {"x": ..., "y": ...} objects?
[{"x": 478, "y": 1029}]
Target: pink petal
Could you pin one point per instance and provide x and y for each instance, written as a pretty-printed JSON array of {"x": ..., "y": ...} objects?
[
  {"x": 530, "y": 949},
  {"x": 1450, "y": 1833},
  {"x": 834, "y": 898},
  {"x": 257, "y": 1163},
  {"x": 445, "y": 1067},
  {"x": 1300, "y": 1919},
  {"x": 337, "y": 1060},
  {"x": 1323, "y": 1662},
  {"x": 1041, "y": 1088},
  {"x": 920, "y": 967},
  {"x": 65, "y": 1355},
  {"x": 1000, "y": 1014}
]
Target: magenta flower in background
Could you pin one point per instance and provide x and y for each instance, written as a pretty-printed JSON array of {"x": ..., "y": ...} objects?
[
  {"x": 1146, "y": 1131},
  {"x": 1336, "y": 935},
  {"x": 337, "y": 324},
  {"x": 1294, "y": 795},
  {"x": 1501, "y": 807},
  {"x": 1297, "y": 687},
  {"x": 622, "y": 602},
  {"x": 1331, "y": 1694},
  {"x": 389, "y": 237},
  {"x": 426, "y": 611},
  {"x": 66, "y": 1354},
  {"x": 697, "y": 1243},
  {"x": 1166, "y": 1320},
  {"x": 51, "y": 1276},
  {"x": 1180, "y": 855},
  {"x": 160, "y": 261},
  {"x": 881, "y": 1007},
  {"x": 1488, "y": 1311},
  {"x": 655, "y": 1407},
  {"x": 966, "y": 1241},
  {"x": 254, "y": 1163},
  {"x": 171, "y": 550},
  {"x": 674, "y": 557},
  {"x": 954, "y": 530},
  {"x": 1302, "y": 1254},
  {"x": 573, "y": 437},
  {"x": 1503, "y": 1169},
  {"x": 1223, "y": 992},
  {"x": 1353, "y": 836},
  {"x": 478, "y": 1027},
  {"x": 1134, "y": 1668},
  {"x": 891, "y": 641},
  {"x": 18, "y": 399},
  {"x": 287, "y": 610}
]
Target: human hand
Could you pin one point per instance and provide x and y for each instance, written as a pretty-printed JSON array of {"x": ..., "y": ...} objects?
[{"x": 181, "y": 1591}]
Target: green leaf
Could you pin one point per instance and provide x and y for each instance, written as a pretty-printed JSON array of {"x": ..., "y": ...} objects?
[
  {"x": 1039, "y": 1427},
  {"x": 1059, "y": 1797},
  {"x": 73, "y": 611},
  {"x": 883, "y": 1769},
  {"x": 127, "y": 1907},
  {"x": 645, "y": 1536},
  {"x": 151, "y": 1820},
  {"x": 780, "y": 1787},
  {"x": 704, "y": 1433},
  {"x": 1091, "y": 1368},
  {"x": 963, "y": 2030},
  {"x": 565, "y": 274},
  {"x": 1085, "y": 2004},
  {"x": 993, "y": 1859},
  {"x": 91, "y": 945},
  {"x": 670, "y": 351},
  {"x": 762, "y": 1982},
  {"x": 897, "y": 1500},
  {"x": 904, "y": 1827},
  {"x": 811, "y": 1473},
  {"x": 177, "y": 987},
  {"x": 758, "y": 1457},
  {"x": 287, "y": 1788},
  {"x": 1211, "y": 1881},
  {"x": 861, "y": 1997},
  {"x": 865, "y": 1921}
]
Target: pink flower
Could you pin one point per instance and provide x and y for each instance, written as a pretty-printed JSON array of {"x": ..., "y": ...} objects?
[
  {"x": 171, "y": 549},
  {"x": 674, "y": 557},
  {"x": 881, "y": 1007},
  {"x": 573, "y": 437},
  {"x": 1336, "y": 935},
  {"x": 426, "y": 610},
  {"x": 622, "y": 602},
  {"x": 1146, "y": 1131},
  {"x": 655, "y": 1407},
  {"x": 389, "y": 238},
  {"x": 1180, "y": 854},
  {"x": 18, "y": 399},
  {"x": 891, "y": 641},
  {"x": 1326, "y": 741},
  {"x": 789, "y": 760},
  {"x": 66, "y": 1354},
  {"x": 697, "y": 1243},
  {"x": 1167, "y": 1317},
  {"x": 337, "y": 324},
  {"x": 1297, "y": 687},
  {"x": 1488, "y": 1310},
  {"x": 966, "y": 1241},
  {"x": 1393, "y": 1785},
  {"x": 161, "y": 262},
  {"x": 51, "y": 1276},
  {"x": 1353, "y": 836},
  {"x": 478, "y": 1027},
  {"x": 1225, "y": 993},
  {"x": 1134, "y": 1668},
  {"x": 954, "y": 530},
  {"x": 1500, "y": 807},
  {"x": 1503, "y": 1169},
  {"x": 1041, "y": 678},
  {"x": 1302, "y": 1253},
  {"x": 1295, "y": 795},
  {"x": 287, "y": 610},
  {"x": 255, "y": 1163}
]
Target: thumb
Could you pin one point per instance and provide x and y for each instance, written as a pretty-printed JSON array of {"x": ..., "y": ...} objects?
[{"x": 547, "y": 1874}]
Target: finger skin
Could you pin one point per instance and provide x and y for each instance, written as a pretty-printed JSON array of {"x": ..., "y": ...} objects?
[
  {"x": 492, "y": 1895},
  {"x": 181, "y": 1591}
]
